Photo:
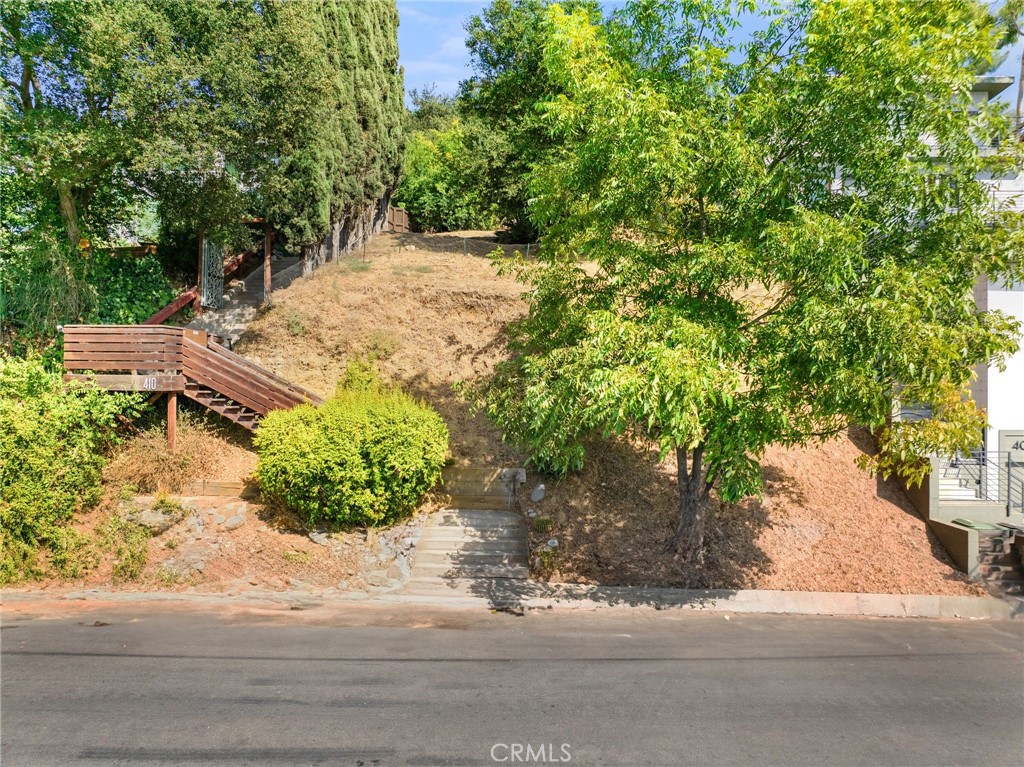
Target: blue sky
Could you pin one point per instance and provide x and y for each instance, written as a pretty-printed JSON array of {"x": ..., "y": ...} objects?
[{"x": 431, "y": 44}]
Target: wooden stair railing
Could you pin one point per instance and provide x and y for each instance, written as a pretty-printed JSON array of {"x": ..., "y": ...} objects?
[{"x": 158, "y": 359}]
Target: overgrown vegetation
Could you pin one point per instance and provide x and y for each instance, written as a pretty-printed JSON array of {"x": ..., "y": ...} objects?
[
  {"x": 144, "y": 464},
  {"x": 366, "y": 457},
  {"x": 469, "y": 157},
  {"x": 53, "y": 440},
  {"x": 129, "y": 543},
  {"x": 445, "y": 180}
]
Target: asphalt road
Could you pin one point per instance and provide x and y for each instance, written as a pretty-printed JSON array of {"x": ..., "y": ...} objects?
[{"x": 144, "y": 685}]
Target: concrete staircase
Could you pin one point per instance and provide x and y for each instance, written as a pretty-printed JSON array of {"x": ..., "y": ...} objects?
[
  {"x": 1000, "y": 564},
  {"x": 477, "y": 545},
  {"x": 243, "y": 298}
]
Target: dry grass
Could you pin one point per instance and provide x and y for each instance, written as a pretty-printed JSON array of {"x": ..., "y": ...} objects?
[
  {"x": 205, "y": 450},
  {"x": 428, "y": 315}
]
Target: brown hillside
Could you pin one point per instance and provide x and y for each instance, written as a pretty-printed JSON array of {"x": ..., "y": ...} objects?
[{"x": 431, "y": 310}]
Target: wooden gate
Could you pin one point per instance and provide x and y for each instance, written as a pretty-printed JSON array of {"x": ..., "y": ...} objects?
[{"x": 398, "y": 220}]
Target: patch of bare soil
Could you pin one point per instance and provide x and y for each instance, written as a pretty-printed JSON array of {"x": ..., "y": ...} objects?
[
  {"x": 823, "y": 525},
  {"x": 225, "y": 544}
]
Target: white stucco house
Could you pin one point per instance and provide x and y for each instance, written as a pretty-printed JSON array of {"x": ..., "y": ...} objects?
[{"x": 1001, "y": 392}]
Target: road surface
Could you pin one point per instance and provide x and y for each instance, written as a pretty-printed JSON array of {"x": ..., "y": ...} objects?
[{"x": 149, "y": 685}]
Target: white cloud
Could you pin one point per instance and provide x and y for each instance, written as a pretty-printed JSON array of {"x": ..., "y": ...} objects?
[
  {"x": 407, "y": 12},
  {"x": 453, "y": 48}
]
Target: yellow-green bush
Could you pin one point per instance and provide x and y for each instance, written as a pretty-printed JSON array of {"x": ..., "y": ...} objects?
[
  {"x": 365, "y": 457},
  {"x": 52, "y": 443}
]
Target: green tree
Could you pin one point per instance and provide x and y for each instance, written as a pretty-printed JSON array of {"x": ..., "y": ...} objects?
[
  {"x": 758, "y": 245},
  {"x": 506, "y": 45},
  {"x": 444, "y": 183},
  {"x": 430, "y": 110},
  {"x": 1010, "y": 25},
  {"x": 215, "y": 111}
]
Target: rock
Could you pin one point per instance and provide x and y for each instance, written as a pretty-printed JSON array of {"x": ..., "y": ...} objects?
[
  {"x": 219, "y": 519},
  {"x": 377, "y": 578},
  {"x": 234, "y": 522},
  {"x": 199, "y": 565},
  {"x": 320, "y": 538},
  {"x": 408, "y": 543},
  {"x": 399, "y": 570},
  {"x": 351, "y": 573},
  {"x": 553, "y": 543},
  {"x": 342, "y": 585},
  {"x": 538, "y": 493},
  {"x": 156, "y": 522},
  {"x": 532, "y": 513}
]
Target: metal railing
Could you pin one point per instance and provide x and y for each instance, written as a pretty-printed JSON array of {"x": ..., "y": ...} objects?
[{"x": 983, "y": 476}]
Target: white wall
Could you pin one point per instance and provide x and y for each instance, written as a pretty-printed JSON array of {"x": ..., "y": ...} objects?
[{"x": 1006, "y": 388}]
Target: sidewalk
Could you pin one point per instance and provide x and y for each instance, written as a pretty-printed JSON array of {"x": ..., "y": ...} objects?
[{"x": 524, "y": 596}]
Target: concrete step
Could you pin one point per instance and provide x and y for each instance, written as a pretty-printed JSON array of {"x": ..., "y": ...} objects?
[
  {"x": 456, "y": 586},
  {"x": 479, "y": 502},
  {"x": 487, "y": 516},
  {"x": 476, "y": 489},
  {"x": 503, "y": 545},
  {"x": 481, "y": 527},
  {"x": 454, "y": 533},
  {"x": 469, "y": 558},
  {"x": 1011, "y": 558},
  {"x": 471, "y": 571},
  {"x": 1013, "y": 576},
  {"x": 481, "y": 474}
]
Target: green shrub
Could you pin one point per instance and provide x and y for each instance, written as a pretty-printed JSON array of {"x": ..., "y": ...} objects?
[
  {"x": 446, "y": 175},
  {"x": 43, "y": 286},
  {"x": 365, "y": 457},
  {"x": 52, "y": 444},
  {"x": 129, "y": 289}
]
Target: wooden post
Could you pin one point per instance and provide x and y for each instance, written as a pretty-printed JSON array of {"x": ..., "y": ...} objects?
[
  {"x": 172, "y": 420},
  {"x": 266, "y": 260},
  {"x": 197, "y": 306}
]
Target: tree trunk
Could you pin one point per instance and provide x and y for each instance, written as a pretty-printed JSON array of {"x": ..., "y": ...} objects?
[
  {"x": 68, "y": 212},
  {"x": 694, "y": 505}
]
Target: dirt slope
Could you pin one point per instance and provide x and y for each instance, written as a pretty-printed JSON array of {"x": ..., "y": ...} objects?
[
  {"x": 428, "y": 308},
  {"x": 431, "y": 309}
]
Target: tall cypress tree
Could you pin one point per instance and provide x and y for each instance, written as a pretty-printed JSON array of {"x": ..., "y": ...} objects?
[{"x": 347, "y": 153}]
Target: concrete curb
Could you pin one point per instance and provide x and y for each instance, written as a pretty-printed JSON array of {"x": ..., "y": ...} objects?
[
  {"x": 565, "y": 596},
  {"x": 534, "y": 596}
]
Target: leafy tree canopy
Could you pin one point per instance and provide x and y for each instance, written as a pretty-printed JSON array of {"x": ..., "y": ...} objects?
[
  {"x": 217, "y": 111},
  {"x": 762, "y": 243},
  {"x": 506, "y": 46}
]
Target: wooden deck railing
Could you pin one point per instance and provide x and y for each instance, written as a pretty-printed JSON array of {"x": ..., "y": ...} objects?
[{"x": 155, "y": 358}]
